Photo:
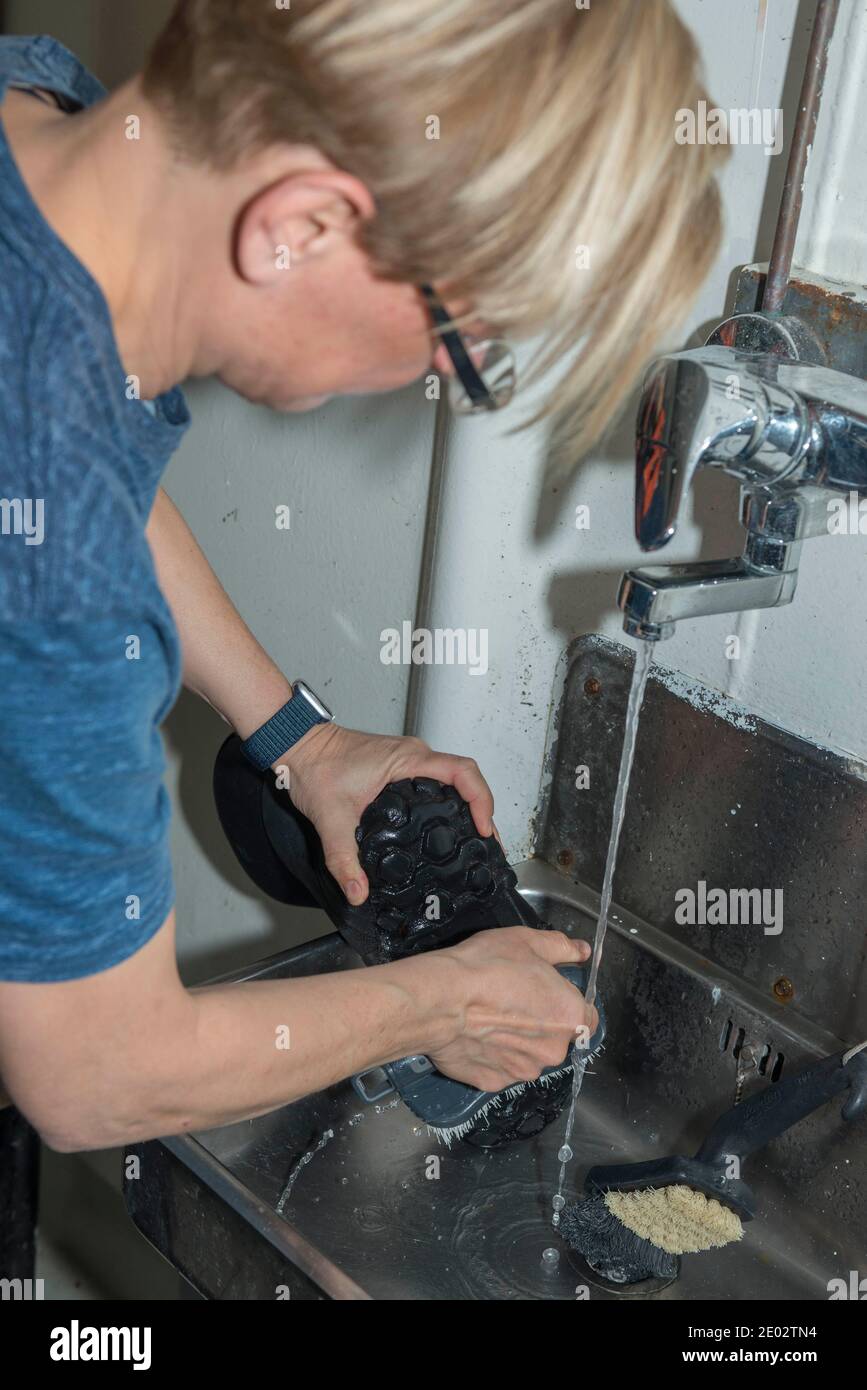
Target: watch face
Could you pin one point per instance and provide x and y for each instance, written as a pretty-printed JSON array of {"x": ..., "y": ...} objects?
[{"x": 322, "y": 710}]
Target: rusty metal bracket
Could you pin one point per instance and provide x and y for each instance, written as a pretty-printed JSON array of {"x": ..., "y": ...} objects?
[{"x": 834, "y": 311}]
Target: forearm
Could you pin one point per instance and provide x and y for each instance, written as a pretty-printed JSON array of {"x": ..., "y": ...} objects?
[
  {"x": 285, "y": 1039},
  {"x": 223, "y": 662},
  {"x": 226, "y": 1053},
  {"x": 143, "y": 1056}
]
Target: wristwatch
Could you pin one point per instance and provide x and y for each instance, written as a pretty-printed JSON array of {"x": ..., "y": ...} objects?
[{"x": 291, "y": 722}]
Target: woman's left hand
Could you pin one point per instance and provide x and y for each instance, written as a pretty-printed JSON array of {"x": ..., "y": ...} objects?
[{"x": 334, "y": 773}]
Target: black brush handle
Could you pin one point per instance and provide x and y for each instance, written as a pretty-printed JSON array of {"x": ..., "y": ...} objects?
[{"x": 750, "y": 1126}]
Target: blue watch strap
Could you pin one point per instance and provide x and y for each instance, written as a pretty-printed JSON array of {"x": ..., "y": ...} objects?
[{"x": 281, "y": 731}]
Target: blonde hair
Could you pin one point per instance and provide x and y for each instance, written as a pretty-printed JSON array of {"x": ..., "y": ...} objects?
[{"x": 554, "y": 130}]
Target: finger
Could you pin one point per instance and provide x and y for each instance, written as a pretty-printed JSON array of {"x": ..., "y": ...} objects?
[
  {"x": 529, "y": 1066},
  {"x": 464, "y": 775},
  {"x": 482, "y": 1078},
  {"x": 493, "y": 1081},
  {"x": 592, "y": 1018},
  {"x": 557, "y": 948},
  {"x": 341, "y": 856},
  {"x": 544, "y": 1046},
  {"x": 585, "y": 1034}
]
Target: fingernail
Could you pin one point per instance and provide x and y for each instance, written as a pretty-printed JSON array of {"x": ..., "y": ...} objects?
[{"x": 353, "y": 890}]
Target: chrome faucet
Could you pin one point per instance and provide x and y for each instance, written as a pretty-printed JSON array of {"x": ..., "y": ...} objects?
[{"x": 792, "y": 431}]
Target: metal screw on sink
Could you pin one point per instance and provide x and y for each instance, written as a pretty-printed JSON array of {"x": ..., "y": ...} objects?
[
  {"x": 592, "y": 686},
  {"x": 783, "y": 988}
]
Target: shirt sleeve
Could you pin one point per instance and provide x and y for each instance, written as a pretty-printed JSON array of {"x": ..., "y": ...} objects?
[{"x": 85, "y": 866}]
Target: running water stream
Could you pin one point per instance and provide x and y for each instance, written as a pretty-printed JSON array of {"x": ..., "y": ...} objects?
[{"x": 643, "y": 658}]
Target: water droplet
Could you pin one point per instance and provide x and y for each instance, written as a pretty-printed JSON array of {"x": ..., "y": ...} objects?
[
  {"x": 550, "y": 1257},
  {"x": 555, "y": 1219},
  {"x": 558, "y": 1202},
  {"x": 565, "y": 1154}
]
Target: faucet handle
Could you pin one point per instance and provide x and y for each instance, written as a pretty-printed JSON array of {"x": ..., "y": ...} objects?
[
  {"x": 659, "y": 481},
  {"x": 712, "y": 406},
  {"x": 692, "y": 402}
]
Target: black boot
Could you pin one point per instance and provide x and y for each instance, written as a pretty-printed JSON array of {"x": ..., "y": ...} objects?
[{"x": 434, "y": 880}]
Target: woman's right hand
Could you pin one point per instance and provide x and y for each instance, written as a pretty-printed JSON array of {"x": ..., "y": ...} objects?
[{"x": 510, "y": 1013}]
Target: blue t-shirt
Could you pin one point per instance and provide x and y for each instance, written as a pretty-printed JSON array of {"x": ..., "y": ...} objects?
[{"x": 89, "y": 654}]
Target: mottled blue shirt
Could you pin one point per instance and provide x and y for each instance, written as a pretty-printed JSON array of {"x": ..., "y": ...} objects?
[{"x": 89, "y": 654}]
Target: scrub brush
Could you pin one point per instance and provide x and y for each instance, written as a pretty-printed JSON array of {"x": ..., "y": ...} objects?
[
  {"x": 636, "y": 1218},
  {"x": 433, "y": 882}
]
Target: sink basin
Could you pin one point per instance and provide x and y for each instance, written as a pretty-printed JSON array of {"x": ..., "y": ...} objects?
[
  {"x": 698, "y": 1016},
  {"x": 383, "y": 1211}
]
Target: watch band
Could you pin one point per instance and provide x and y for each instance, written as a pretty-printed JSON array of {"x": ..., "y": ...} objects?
[{"x": 291, "y": 722}]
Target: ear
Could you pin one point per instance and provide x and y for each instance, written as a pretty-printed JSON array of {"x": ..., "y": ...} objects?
[{"x": 301, "y": 216}]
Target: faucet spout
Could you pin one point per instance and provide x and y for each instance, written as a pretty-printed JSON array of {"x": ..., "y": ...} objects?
[{"x": 654, "y": 598}]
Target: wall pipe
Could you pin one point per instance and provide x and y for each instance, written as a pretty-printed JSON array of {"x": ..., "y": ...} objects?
[{"x": 780, "y": 265}]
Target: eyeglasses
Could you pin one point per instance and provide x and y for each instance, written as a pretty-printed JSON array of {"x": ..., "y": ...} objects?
[{"x": 485, "y": 370}]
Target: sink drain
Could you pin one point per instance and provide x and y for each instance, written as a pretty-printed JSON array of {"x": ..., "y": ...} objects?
[{"x": 644, "y": 1288}]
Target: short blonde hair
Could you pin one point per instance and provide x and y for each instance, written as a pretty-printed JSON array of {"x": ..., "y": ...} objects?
[{"x": 497, "y": 138}]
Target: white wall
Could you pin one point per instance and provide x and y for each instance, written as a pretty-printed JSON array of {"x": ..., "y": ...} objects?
[
  {"x": 110, "y": 37},
  {"x": 355, "y": 477},
  {"x": 508, "y": 555}
]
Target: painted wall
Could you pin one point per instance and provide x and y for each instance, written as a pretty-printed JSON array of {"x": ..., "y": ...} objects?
[
  {"x": 508, "y": 556},
  {"x": 355, "y": 477},
  {"x": 109, "y": 36}
]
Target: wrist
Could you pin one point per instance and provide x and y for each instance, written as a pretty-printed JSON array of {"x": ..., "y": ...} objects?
[
  {"x": 307, "y": 749},
  {"x": 437, "y": 988},
  {"x": 273, "y": 743}
]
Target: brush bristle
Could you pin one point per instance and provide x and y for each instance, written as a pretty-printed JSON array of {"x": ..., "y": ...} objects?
[
  {"x": 448, "y": 1134},
  {"x": 676, "y": 1219},
  {"x": 616, "y": 1253}
]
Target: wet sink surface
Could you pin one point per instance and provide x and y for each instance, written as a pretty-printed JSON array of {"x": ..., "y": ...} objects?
[{"x": 368, "y": 1199}]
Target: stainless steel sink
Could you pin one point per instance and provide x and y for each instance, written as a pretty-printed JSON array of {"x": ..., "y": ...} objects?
[
  {"x": 696, "y": 1017},
  {"x": 364, "y": 1218}
]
